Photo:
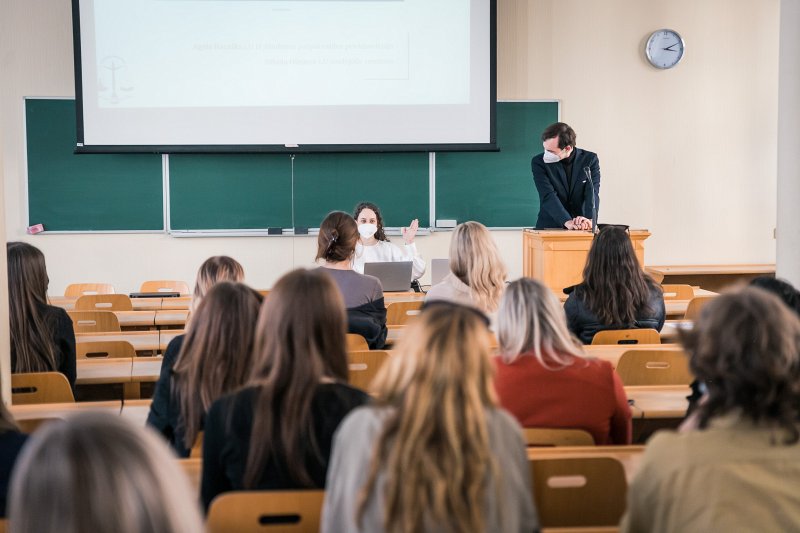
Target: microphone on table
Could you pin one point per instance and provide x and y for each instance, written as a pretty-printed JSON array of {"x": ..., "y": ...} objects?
[{"x": 588, "y": 172}]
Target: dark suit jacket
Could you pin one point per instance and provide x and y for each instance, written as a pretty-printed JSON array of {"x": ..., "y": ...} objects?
[{"x": 559, "y": 199}]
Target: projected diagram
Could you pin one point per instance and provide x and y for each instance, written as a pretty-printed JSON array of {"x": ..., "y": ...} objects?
[{"x": 113, "y": 84}]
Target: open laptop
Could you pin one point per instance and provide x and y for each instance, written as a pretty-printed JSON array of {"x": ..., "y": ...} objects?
[
  {"x": 439, "y": 269},
  {"x": 394, "y": 276}
]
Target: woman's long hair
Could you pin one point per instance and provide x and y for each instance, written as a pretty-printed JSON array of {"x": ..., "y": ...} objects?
[
  {"x": 300, "y": 342},
  {"x": 32, "y": 345},
  {"x": 434, "y": 446},
  {"x": 213, "y": 270},
  {"x": 100, "y": 472},
  {"x": 615, "y": 288},
  {"x": 745, "y": 347},
  {"x": 475, "y": 260},
  {"x": 216, "y": 355},
  {"x": 531, "y": 319},
  {"x": 380, "y": 234}
]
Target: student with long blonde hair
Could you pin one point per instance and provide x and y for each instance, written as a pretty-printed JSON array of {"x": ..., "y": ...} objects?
[
  {"x": 434, "y": 453},
  {"x": 543, "y": 376},
  {"x": 276, "y": 433},
  {"x": 163, "y": 412},
  {"x": 99, "y": 472},
  {"x": 477, "y": 274},
  {"x": 214, "y": 359},
  {"x": 212, "y": 271},
  {"x": 42, "y": 336}
]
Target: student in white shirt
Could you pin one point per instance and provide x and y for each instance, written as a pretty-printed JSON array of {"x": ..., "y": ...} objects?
[{"x": 374, "y": 247}]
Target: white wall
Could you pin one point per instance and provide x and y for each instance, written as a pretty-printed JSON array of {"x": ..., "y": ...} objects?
[
  {"x": 681, "y": 151},
  {"x": 788, "y": 142}
]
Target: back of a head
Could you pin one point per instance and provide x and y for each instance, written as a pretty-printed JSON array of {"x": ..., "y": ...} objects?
[
  {"x": 616, "y": 287},
  {"x": 746, "y": 347},
  {"x": 780, "y": 288},
  {"x": 438, "y": 386},
  {"x": 215, "y": 269},
  {"x": 99, "y": 472},
  {"x": 338, "y": 236},
  {"x": 531, "y": 319},
  {"x": 217, "y": 353},
  {"x": 475, "y": 260},
  {"x": 300, "y": 341},
  {"x": 31, "y": 334}
]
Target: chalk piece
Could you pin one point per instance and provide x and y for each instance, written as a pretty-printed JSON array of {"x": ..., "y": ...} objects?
[
  {"x": 291, "y": 145},
  {"x": 274, "y": 231},
  {"x": 36, "y": 228},
  {"x": 446, "y": 223}
]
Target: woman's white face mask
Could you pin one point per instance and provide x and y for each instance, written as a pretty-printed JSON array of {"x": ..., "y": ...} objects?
[{"x": 367, "y": 230}]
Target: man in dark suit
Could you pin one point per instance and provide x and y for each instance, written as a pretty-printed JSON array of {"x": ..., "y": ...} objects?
[{"x": 565, "y": 195}]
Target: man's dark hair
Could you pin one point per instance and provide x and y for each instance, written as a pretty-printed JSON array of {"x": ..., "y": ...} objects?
[{"x": 566, "y": 135}]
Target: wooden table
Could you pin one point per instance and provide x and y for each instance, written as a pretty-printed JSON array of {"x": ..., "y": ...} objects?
[
  {"x": 139, "y": 304},
  {"x": 134, "y": 410},
  {"x": 659, "y": 401},
  {"x": 713, "y": 277},
  {"x": 669, "y": 333},
  {"x": 142, "y": 341}
]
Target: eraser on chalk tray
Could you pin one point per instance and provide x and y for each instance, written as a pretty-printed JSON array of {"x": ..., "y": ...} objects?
[{"x": 36, "y": 228}]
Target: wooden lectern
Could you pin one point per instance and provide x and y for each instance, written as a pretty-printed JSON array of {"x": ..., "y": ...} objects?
[{"x": 557, "y": 257}]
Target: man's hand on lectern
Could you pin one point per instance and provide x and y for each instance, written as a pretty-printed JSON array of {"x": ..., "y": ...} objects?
[{"x": 583, "y": 223}]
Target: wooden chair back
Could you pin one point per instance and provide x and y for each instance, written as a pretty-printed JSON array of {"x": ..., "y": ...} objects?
[
  {"x": 103, "y": 302},
  {"x": 677, "y": 291},
  {"x": 104, "y": 350},
  {"x": 197, "y": 449},
  {"x": 29, "y": 425},
  {"x": 296, "y": 511},
  {"x": 356, "y": 342},
  {"x": 400, "y": 313},
  {"x": 627, "y": 336},
  {"x": 193, "y": 468},
  {"x": 94, "y": 321},
  {"x": 557, "y": 437},
  {"x": 75, "y": 290},
  {"x": 654, "y": 367},
  {"x": 165, "y": 285},
  {"x": 364, "y": 365},
  {"x": 40, "y": 387},
  {"x": 579, "y": 492},
  {"x": 696, "y": 305}
]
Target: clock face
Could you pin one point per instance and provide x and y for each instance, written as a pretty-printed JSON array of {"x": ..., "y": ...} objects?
[{"x": 664, "y": 49}]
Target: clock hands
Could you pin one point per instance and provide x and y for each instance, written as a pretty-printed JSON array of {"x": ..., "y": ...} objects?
[{"x": 669, "y": 48}]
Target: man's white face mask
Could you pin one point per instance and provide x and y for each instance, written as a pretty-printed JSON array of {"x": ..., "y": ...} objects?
[{"x": 550, "y": 157}]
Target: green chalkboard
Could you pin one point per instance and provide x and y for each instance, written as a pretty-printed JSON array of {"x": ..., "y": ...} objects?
[
  {"x": 86, "y": 192},
  {"x": 496, "y": 188},
  {"x": 232, "y": 191},
  {"x": 397, "y": 183}
]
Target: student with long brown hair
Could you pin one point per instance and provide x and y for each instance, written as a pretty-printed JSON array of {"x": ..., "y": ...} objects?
[
  {"x": 363, "y": 295},
  {"x": 545, "y": 379},
  {"x": 477, "y": 274},
  {"x": 615, "y": 293},
  {"x": 212, "y": 271},
  {"x": 276, "y": 433},
  {"x": 434, "y": 453},
  {"x": 42, "y": 336},
  {"x": 100, "y": 472},
  {"x": 214, "y": 359},
  {"x": 738, "y": 467}
]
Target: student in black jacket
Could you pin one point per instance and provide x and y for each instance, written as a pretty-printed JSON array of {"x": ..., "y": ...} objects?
[
  {"x": 616, "y": 293},
  {"x": 11, "y": 442},
  {"x": 42, "y": 337},
  {"x": 214, "y": 358},
  {"x": 277, "y": 432}
]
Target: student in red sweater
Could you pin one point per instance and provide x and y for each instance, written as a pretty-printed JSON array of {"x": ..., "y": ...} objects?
[{"x": 543, "y": 377}]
